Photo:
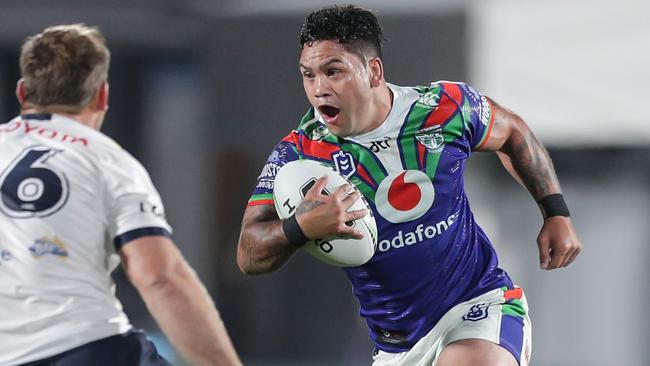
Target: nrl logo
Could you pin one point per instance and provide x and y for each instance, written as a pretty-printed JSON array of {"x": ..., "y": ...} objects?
[
  {"x": 431, "y": 137},
  {"x": 344, "y": 163}
]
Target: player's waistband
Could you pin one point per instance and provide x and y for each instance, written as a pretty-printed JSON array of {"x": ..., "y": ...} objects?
[{"x": 392, "y": 340}]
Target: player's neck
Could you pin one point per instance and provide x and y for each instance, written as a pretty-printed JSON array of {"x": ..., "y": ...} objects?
[
  {"x": 382, "y": 105},
  {"x": 85, "y": 116}
]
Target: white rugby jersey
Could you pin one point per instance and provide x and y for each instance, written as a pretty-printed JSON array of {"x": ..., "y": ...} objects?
[{"x": 70, "y": 197}]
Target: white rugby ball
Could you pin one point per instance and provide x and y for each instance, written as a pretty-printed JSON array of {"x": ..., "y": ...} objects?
[{"x": 291, "y": 185}]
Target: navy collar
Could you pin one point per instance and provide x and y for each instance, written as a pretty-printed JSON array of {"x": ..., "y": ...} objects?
[{"x": 37, "y": 116}]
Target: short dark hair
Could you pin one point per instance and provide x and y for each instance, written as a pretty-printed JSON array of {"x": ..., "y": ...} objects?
[
  {"x": 64, "y": 64},
  {"x": 357, "y": 29}
]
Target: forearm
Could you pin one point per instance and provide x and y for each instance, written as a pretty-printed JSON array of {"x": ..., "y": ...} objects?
[
  {"x": 529, "y": 162},
  {"x": 263, "y": 247},
  {"x": 186, "y": 314}
]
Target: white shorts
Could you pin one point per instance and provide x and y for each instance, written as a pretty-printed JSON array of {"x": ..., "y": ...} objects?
[{"x": 499, "y": 316}]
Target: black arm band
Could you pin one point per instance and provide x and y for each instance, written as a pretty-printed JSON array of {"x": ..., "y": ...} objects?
[
  {"x": 293, "y": 232},
  {"x": 553, "y": 205}
]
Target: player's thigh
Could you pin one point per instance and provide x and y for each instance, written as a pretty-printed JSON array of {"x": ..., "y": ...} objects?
[{"x": 475, "y": 352}]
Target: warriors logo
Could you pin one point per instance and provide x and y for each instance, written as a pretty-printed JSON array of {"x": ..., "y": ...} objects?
[
  {"x": 431, "y": 137},
  {"x": 476, "y": 313}
]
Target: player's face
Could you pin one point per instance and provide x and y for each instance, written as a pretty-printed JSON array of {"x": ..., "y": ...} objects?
[{"x": 337, "y": 84}]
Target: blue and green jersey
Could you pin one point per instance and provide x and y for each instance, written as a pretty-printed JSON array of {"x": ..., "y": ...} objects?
[{"x": 431, "y": 254}]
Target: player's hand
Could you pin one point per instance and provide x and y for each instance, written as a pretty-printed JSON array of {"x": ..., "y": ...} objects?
[
  {"x": 321, "y": 216},
  {"x": 558, "y": 243}
]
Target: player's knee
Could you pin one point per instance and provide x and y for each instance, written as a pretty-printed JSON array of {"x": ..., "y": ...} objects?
[{"x": 475, "y": 352}]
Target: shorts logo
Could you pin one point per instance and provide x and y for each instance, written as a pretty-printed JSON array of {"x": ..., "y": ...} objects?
[
  {"x": 476, "y": 313},
  {"x": 344, "y": 163},
  {"x": 431, "y": 137},
  {"x": 45, "y": 246},
  {"x": 404, "y": 196}
]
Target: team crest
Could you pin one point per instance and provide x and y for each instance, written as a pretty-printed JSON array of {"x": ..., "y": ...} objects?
[
  {"x": 344, "y": 163},
  {"x": 432, "y": 138},
  {"x": 476, "y": 313}
]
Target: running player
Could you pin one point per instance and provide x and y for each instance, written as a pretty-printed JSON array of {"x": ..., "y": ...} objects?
[
  {"x": 433, "y": 292},
  {"x": 71, "y": 201}
]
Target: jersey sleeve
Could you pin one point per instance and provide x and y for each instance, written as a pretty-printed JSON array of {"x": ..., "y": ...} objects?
[
  {"x": 477, "y": 114},
  {"x": 134, "y": 205},
  {"x": 283, "y": 153}
]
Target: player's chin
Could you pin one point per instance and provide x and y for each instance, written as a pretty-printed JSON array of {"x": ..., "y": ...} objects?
[{"x": 337, "y": 129}]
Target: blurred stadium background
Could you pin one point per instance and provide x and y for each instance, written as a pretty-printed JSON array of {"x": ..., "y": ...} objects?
[{"x": 201, "y": 91}]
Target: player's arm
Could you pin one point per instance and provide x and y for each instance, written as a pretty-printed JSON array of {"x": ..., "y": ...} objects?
[
  {"x": 178, "y": 300},
  {"x": 263, "y": 245},
  {"x": 528, "y": 162}
]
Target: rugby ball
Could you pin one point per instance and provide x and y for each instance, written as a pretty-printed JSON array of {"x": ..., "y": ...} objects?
[{"x": 293, "y": 181}]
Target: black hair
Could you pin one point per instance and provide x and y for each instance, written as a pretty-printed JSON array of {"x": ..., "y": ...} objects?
[{"x": 357, "y": 29}]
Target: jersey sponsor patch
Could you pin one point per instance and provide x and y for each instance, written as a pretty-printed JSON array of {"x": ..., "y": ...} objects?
[
  {"x": 265, "y": 179},
  {"x": 429, "y": 99},
  {"x": 45, "y": 246},
  {"x": 45, "y": 132},
  {"x": 404, "y": 196},
  {"x": 382, "y": 144},
  {"x": 5, "y": 256},
  {"x": 421, "y": 233},
  {"x": 485, "y": 111}
]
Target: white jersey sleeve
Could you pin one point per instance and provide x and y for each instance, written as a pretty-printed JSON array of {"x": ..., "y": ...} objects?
[{"x": 134, "y": 206}]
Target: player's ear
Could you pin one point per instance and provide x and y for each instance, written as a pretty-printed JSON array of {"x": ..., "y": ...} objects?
[
  {"x": 20, "y": 90},
  {"x": 102, "y": 97},
  {"x": 376, "y": 68}
]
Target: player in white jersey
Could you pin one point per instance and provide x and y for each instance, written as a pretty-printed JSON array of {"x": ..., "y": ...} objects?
[{"x": 72, "y": 203}]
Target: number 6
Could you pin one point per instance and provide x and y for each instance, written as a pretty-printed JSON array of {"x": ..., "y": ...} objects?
[{"x": 29, "y": 188}]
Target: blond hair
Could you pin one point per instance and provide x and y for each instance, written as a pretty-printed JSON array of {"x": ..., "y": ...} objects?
[{"x": 64, "y": 65}]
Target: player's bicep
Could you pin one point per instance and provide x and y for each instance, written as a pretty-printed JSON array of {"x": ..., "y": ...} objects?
[
  {"x": 258, "y": 214},
  {"x": 505, "y": 123},
  {"x": 148, "y": 260}
]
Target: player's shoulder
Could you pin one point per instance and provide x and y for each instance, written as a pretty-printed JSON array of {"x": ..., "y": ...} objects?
[
  {"x": 456, "y": 92},
  {"x": 438, "y": 93},
  {"x": 111, "y": 155}
]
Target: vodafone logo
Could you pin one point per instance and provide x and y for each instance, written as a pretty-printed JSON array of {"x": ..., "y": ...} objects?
[{"x": 404, "y": 196}]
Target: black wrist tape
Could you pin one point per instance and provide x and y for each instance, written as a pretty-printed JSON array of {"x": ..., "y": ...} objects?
[
  {"x": 293, "y": 232},
  {"x": 553, "y": 205}
]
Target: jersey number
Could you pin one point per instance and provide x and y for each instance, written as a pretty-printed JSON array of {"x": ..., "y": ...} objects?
[{"x": 30, "y": 188}]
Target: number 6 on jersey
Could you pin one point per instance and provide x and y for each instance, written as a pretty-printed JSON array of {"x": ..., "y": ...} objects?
[{"x": 30, "y": 188}]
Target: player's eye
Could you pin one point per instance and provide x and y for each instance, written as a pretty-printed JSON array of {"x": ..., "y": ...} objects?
[
  {"x": 308, "y": 75},
  {"x": 332, "y": 72}
]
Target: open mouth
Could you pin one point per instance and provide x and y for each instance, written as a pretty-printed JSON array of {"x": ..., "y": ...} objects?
[{"x": 328, "y": 112}]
